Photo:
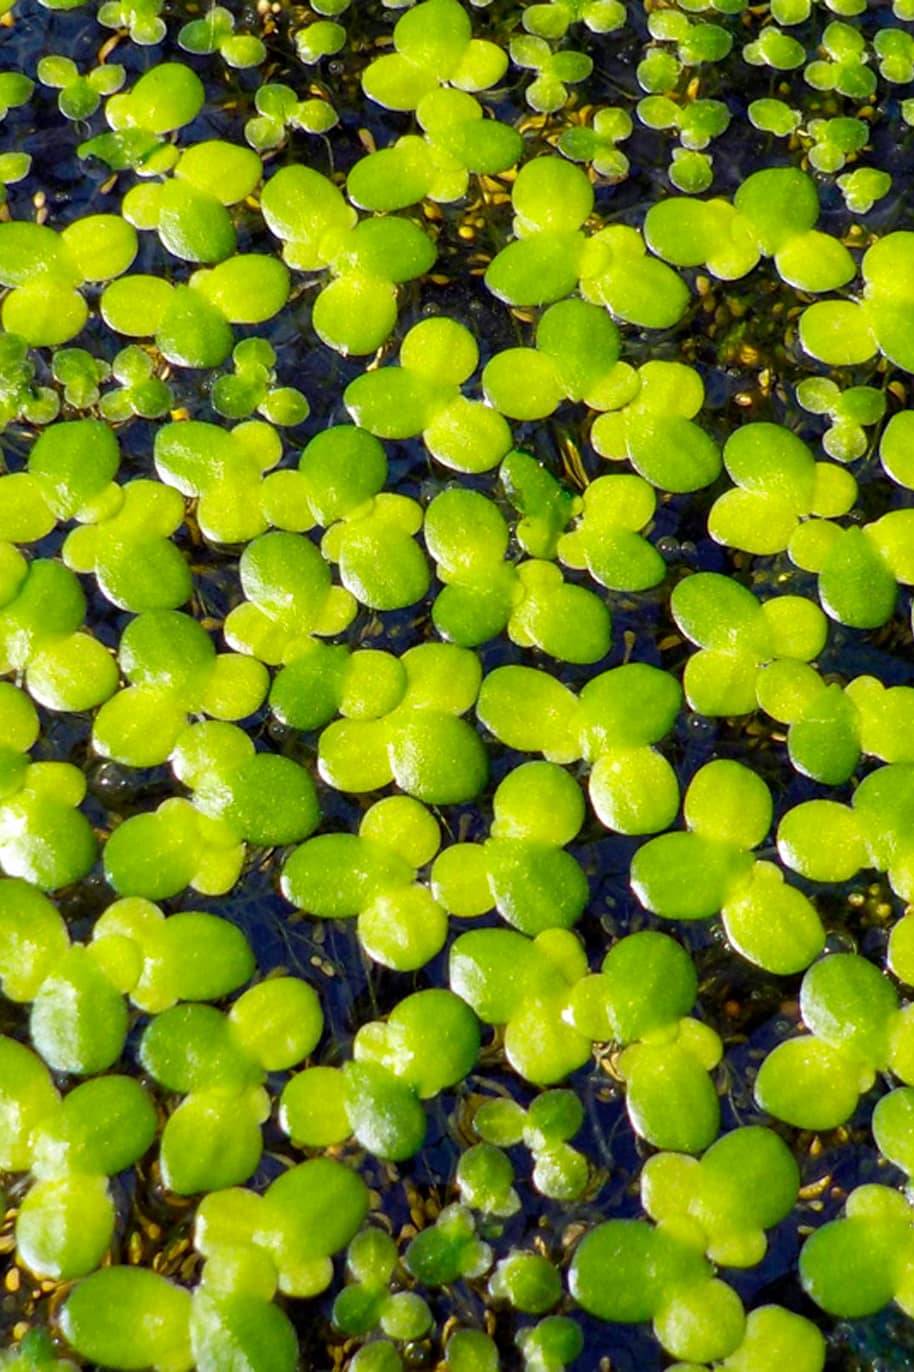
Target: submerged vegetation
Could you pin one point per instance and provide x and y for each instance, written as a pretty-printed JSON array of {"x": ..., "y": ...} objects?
[{"x": 457, "y": 716}]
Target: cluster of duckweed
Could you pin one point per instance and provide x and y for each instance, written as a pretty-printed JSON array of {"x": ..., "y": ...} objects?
[{"x": 457, "y": 716}]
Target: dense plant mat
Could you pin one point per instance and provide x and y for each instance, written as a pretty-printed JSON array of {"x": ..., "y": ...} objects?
[{"x": 457, "y": 700}]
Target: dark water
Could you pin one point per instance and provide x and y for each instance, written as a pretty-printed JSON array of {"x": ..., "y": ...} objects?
[{"x": 751, "y": 1009}]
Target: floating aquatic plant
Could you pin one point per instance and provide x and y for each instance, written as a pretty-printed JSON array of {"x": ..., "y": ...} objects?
[
  {"x": 221, "y": 614},
  {"x": 551, "y": 254},
  {"x": 483, "y": 595},
  {"x": 522, "y": 869},
  {"x": 279, "y": 109},
  {"x": 45, "y": 270},
  {"x": 560, "y": 1171},
  {"x": 172, "y": 671},
  {"x": 434, "y": 46}
]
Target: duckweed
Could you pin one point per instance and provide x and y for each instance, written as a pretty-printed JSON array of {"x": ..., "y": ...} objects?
[{"x": 550, "y": 822}]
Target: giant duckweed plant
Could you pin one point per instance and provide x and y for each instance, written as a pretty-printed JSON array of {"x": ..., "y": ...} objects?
[{"x": 454, "y": 891}]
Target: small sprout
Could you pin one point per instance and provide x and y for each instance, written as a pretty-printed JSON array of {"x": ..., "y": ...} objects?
[
  {"x": 251, "y": 387},
  {"x": 448, "y": 1250},
  {"x": 140, "y": 391},
  {"x": 279, "y": 109},
  {"x": 555, "y": 71},
  {"x": 697, "y": 123},
  {"x": 80, "y": 96},
  {"x": 559, "y": 1172},
  {"x": 434, "y": 46},
  {"x": 691, "y": 172},
  {"x": 367, "y": 1304},
  {"x": 597, "y": 143},
  {"x": 216, "y": 33},
  {"x": 141, "y": 18},
  {"x": 79, "y": 372},
  {"x": 697, "y": 42},
  {"x": 850, "y": 412},
  {"x": 21, "y": 398},
  {"x": 862, "y": 187}
]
